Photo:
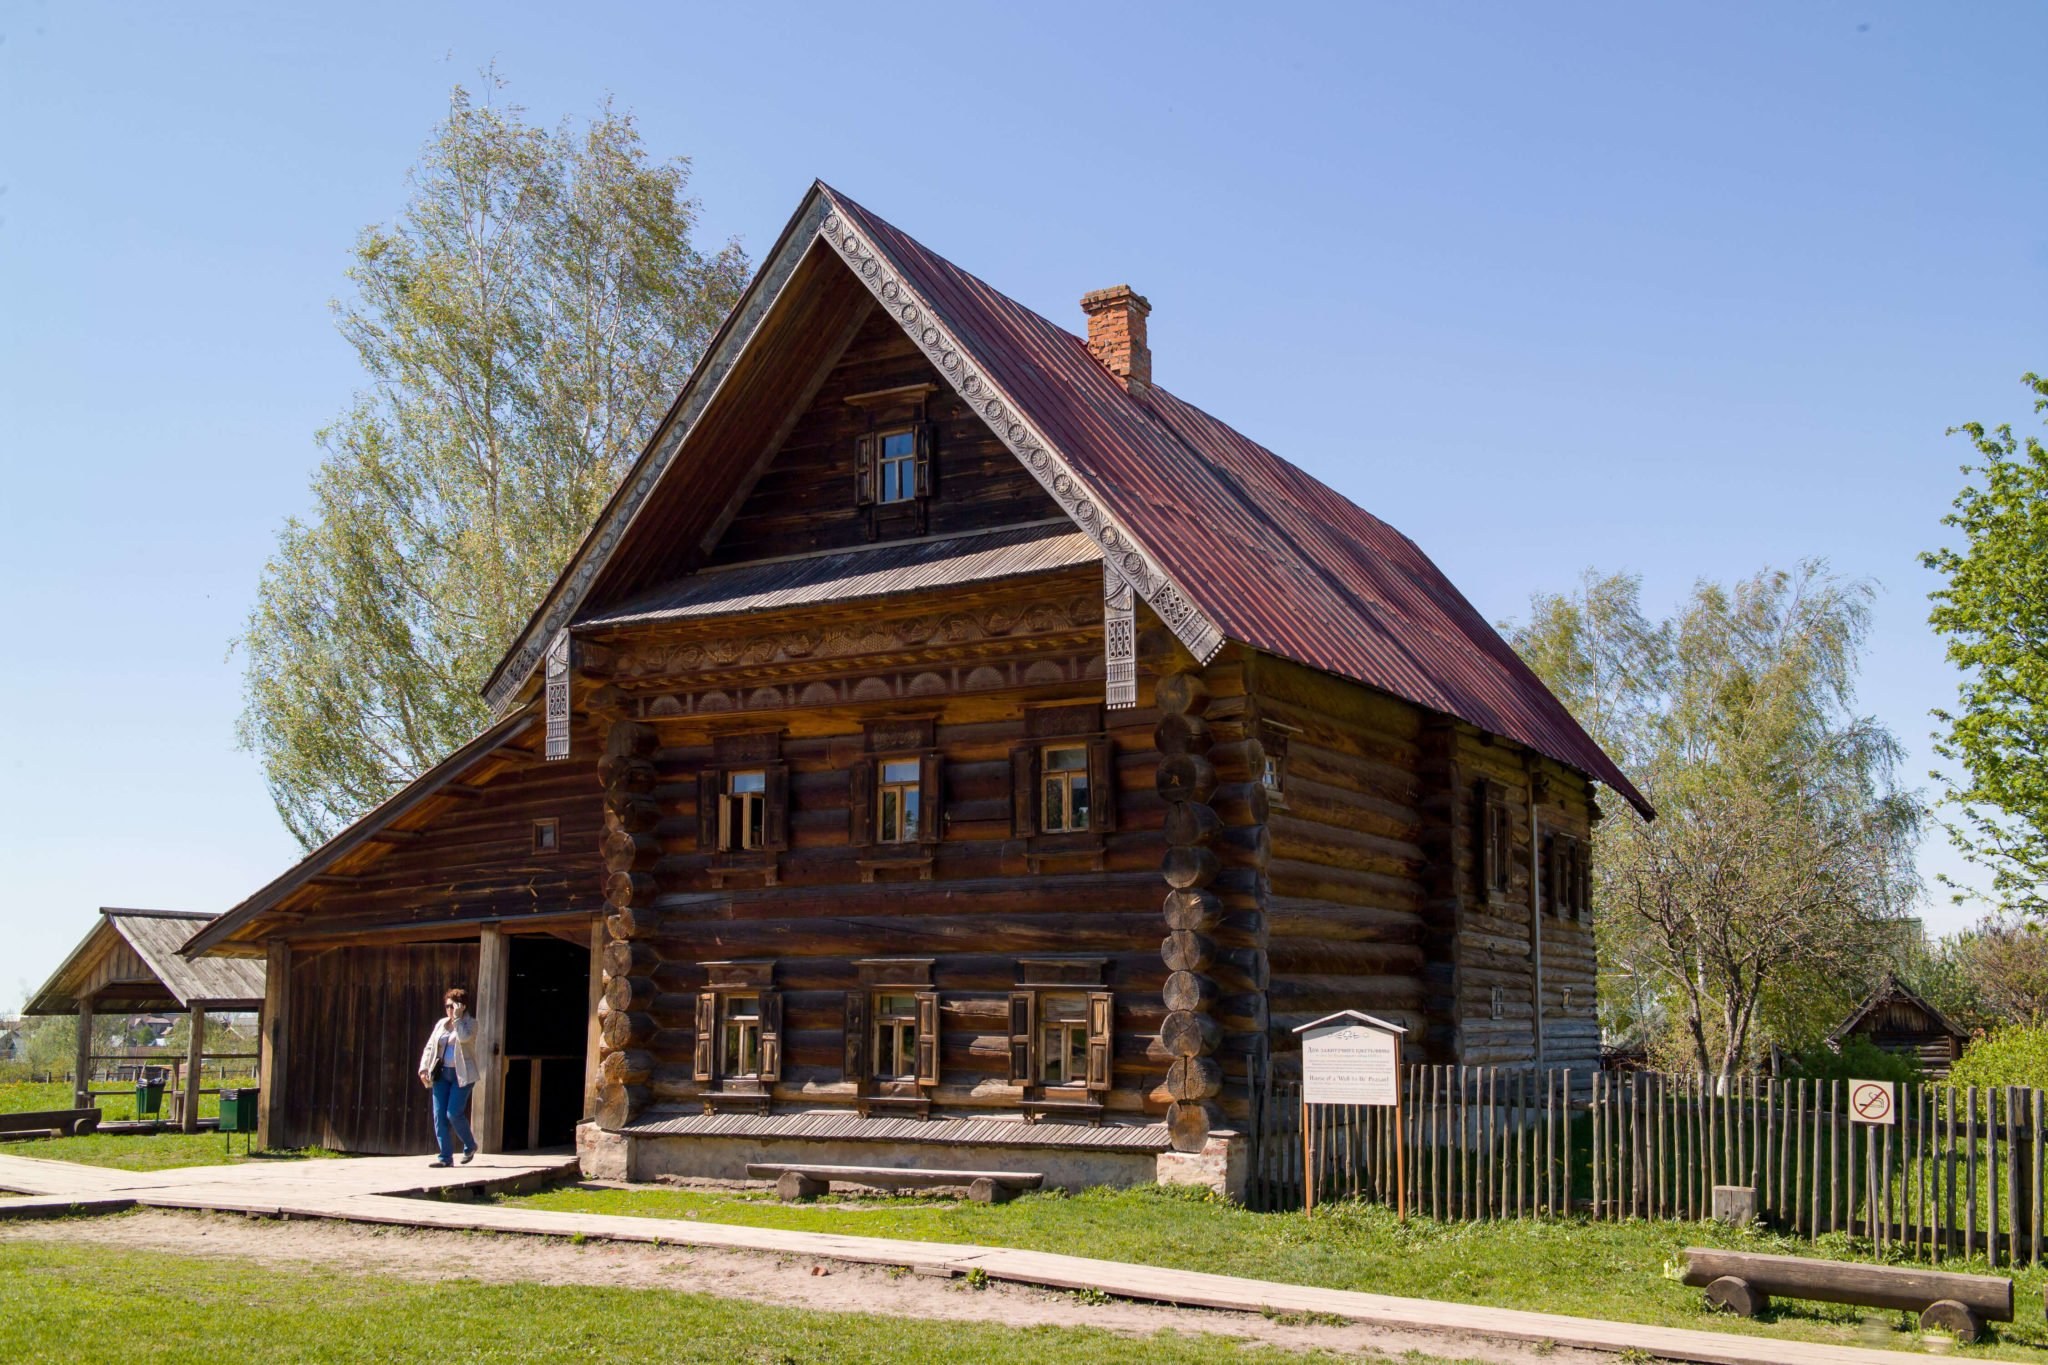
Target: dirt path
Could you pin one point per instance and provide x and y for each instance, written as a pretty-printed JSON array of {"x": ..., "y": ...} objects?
[{"x": 795, "y": 1282}]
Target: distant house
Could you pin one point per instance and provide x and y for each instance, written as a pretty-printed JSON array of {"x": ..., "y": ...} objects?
[
  {"x": 13, "y": 1041},
  {"x": 1897, "y": 1019}
]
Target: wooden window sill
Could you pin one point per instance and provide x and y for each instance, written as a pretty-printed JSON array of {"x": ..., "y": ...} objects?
[
  {"x": 735, "y": 1101},
  {"x": 919, "y": 863},
  {"x": 901, "y": 1106}
]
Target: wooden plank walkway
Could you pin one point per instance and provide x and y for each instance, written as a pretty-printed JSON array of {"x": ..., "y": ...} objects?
[{"x": 386, "y": 1190}]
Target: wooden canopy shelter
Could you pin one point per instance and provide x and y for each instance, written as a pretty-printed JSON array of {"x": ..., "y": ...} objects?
[
  {"x": 1899, "y": 1019},
  {"x": 129, "y": 964}
]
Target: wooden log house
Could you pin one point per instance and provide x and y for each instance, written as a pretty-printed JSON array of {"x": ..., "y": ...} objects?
[
  {"x": 957, "y": 740},
  {"x": 1897, "y": 1018}
]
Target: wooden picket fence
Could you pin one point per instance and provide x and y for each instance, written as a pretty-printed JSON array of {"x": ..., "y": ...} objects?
[{"x": 1958, "y": 1174}]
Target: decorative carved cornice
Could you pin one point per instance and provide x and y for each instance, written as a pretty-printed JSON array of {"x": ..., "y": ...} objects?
[{"x": 1054, "y": 472}]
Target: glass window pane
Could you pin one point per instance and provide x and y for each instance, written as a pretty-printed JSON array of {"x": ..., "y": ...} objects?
[
  {"x": 1067, "y": 760},
  {"x": 1077, "y": 802},
  {"x": 1065, "y": 1007},
  {"x": 748, "y": 782},
  {"x": 902, "y": 770},
  {"x": 910, "y": 812},
  {"x": 899, "y": 443},
  {"x": 1055, "y": 804},
  {"x": 755, "y": 811},
  {"x": 891, "y": 826}
]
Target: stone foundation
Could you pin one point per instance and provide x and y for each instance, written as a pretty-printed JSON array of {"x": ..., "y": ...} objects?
[{"x": 1222, "y": 1165}]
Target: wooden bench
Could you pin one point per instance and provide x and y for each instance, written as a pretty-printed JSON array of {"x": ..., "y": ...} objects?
[
  {"x": 808, "y": 1182},
  {"x": 1742, "y": 1282},
  {"x": 54, "y": 1122}
]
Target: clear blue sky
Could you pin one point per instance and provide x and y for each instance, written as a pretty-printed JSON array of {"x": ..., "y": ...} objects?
[{"x": 1682, "y": 289}]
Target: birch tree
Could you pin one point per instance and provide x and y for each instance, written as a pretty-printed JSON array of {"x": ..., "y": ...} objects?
[
  {"x": 522, "y": 326},
  {"x": 1781, "y": 857}
]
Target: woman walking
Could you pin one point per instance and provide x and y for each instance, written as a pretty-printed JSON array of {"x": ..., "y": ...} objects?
[{"x": 448, "y": 1068}]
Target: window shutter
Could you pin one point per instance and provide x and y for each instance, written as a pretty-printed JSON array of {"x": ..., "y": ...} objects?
[
  {"x": 1101, "y": 1033},
  {"x": 1023, "y": 1037},
  {"x": 1582, "y": 879},
  {"x": 1101, "y": 785},
  {"x": 771, "y": 1035},
  {"x": 1024, "y": 790},
  {"x": 775, "y": 815},
  {"x": 710, "y": 812},
  {"x": 856, "y": 1036},
  {"x": 860, "y": 803},
  {"x": 927, "y": 1037},
  {"x": 931, "y": 798},
  {"x": 864, "y": 469},
  {"x": 926, "y": 439},
  {"x": 707, "y": 1037}
]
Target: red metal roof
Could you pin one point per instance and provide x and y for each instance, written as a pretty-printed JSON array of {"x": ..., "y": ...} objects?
[{"x": 1277, "y": 558}]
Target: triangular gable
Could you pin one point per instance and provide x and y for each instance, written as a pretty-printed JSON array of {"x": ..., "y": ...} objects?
[
  {"x": 1888, "y": 990},
  {"x": 1221, "y": 538}
]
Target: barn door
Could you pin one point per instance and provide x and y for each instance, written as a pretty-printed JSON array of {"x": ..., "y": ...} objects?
[{"x": 356, "y": 1024}]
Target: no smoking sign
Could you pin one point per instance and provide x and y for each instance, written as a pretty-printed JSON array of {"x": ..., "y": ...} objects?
[{"x": 1873, "y": 1102}]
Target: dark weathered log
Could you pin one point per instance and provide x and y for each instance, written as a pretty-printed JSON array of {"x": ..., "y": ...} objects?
[
  {"x": 1177, "y": 734},
  {"x": 624, "y": 1029},
  {"x": 623, "y": 958},
  {"x": 1188, "y": 991},
  {"x": 1188, "y": 1123},
  {"x": 1241, "y": 761},
  {"x": 1194, "y": 1078},
  {"x": 1187, "y": 1034},
  {"x": 1181, "y": 694},
  {"x": 1872, "y": 1286},
  {"x": 617, "y": 1104},
  {"x": 623, "y": 851},
  {"x": 622, "y": 889},
  {"x": 1186, "y": 951},
  {"x": 1243, "y": 846},
  {"x": 1185, "y": 777},
  {"x": 632, "y": 811},
  {"x": 1190, "y": 822},
  {"x": 1193, "y": 909},
  {"x": 628, "y": 1067},
  {"x": 627, "y": 993},
  {"x": 1241, "y": 803},
  {"x": 1188, "y": 868}
]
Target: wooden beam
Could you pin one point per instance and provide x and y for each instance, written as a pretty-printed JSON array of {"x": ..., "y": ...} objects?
[
  {"x": 593, "y": 1043},
  {"x": 82, "y": 1076},
  {"x": 493, "y": 980},
  {"x": 195, "y": 1057},
  {"x": 339, "y": 879},
  {"x": 468, "y": 791},
  {"x": 272, "y": 1125},
  {"x": 397, "y": 836}
]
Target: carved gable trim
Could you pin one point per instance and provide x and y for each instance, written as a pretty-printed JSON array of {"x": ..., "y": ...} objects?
[
  {"x": 1002, "y": 415},
  {"x": 567, "y": 594}
]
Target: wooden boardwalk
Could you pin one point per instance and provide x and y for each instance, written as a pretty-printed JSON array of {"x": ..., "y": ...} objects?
[{"x": 389, "y": 1189}]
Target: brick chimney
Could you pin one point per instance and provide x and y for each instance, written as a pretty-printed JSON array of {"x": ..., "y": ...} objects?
[{"x": 1116, "y": 334}]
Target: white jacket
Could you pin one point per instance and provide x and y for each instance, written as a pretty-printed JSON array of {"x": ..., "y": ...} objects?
[{"x": 465, "y": 1059}]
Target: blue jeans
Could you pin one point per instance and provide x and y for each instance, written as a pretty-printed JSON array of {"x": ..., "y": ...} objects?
[{"x": 451, "y": 1107}]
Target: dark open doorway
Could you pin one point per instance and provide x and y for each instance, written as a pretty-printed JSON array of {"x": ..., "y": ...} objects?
[{"x": 546, "y": 1020}]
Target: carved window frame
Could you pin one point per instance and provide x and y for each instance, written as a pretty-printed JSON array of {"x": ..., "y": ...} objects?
[
  {"x": 896, "y": 412},
  {"x": 1496, "y": 841},
  {"x": 1063, "y": 725},
  {"x": 547, "y": 837},
  {"x": 1273, "y": 738},
  {"x": 1040, "y": 979},
  {"x": 726, "y": 984}
]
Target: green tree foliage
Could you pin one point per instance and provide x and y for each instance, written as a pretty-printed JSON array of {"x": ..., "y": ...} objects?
[
  {"x": 2014, "y": 1055},
  {"x": 523, "y": 327},
  {"x": 1858, "y": 1059},
  {"x": 1993, "y": 611},
  {"x": 1990, "y": 975},
  {"x": 1774, "y": 883}
]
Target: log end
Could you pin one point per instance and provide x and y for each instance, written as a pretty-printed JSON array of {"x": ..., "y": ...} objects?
[
  {"x": 1733, "y": 1294},
  {"x": 1957, "y": 1319}
]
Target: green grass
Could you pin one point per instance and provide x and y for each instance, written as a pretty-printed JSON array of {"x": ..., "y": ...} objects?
[
  {"x": 67, "y": 1303},
  {"x": 151, "y": 1151},
  {"x": 1603, "y": 1270},
  {"x": 116, "y": 1104}
]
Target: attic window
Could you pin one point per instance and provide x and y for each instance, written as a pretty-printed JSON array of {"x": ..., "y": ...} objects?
[
  {"x": 895, "y": 466},
  {"x": 547, "y": 836}
]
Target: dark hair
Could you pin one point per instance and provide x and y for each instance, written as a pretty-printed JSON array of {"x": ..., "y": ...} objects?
[{"x": 458, "y": 995}]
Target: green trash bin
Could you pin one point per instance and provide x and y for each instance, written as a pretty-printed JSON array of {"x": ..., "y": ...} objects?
[
  {"x": 238, "y": 1115},
  {"x": 149, "y": 1097}
]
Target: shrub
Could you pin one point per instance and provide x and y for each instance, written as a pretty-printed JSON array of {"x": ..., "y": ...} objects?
[
  {"x": 2014, "y": 1055},
  {"x": 1858, "y": 1060}
]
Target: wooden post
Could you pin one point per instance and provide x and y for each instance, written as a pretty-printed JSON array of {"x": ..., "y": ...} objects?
[
  {"x": 593, "y": 1045},
  {"x": 493, "y": 976},
  {"x": 195, "y": 1056},
  {"x": 1308, "y": 1158},
  {"x": 272, "y": 1127},
  {"x": 82, "y": 1077},
  {"x": 1400, "y": 1151}
]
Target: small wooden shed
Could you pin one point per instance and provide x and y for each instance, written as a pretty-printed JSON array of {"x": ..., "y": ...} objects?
[
  {"x": 129, "y": 964},
  {"x": 1898, "y": 1019}
]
